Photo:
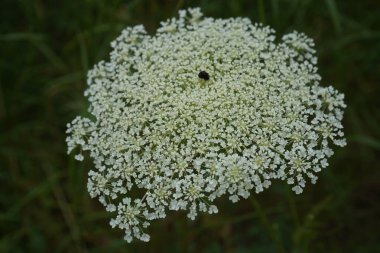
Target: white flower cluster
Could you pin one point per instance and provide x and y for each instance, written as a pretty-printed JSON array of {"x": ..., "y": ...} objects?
[{"x": 206, "y": 107}]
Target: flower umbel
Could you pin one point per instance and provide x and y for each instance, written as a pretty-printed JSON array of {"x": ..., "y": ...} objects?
[{"x": 204, "y": 108}]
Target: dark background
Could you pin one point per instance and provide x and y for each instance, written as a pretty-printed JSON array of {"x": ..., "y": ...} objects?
[{"x": 46, "y": 48}]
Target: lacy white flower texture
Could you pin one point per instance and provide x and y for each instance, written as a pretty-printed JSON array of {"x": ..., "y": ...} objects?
[{"x": 204, "y": 108}]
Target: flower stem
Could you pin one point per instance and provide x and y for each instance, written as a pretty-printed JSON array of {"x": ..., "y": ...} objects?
[{"x": 265, "y": 222}]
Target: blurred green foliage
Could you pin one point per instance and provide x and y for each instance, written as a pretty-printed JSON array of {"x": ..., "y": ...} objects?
[{"x": 46, "y": 48}]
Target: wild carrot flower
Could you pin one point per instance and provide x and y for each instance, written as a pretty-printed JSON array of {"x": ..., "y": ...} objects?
[{"x": 204, "y": 108}]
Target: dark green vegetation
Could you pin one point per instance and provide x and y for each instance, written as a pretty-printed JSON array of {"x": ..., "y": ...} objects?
[{"x": 46, "y": 48}]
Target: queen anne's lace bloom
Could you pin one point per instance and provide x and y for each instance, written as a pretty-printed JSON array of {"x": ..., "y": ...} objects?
[{"x": 206, "y": 107}]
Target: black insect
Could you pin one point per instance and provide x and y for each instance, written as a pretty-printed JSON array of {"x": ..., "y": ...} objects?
[{"x": 204, "y": 75}]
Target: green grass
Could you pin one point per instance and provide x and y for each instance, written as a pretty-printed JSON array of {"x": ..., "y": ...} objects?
[{"x": 46, "y": 48}]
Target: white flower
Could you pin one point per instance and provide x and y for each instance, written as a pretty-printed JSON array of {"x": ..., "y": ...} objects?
[{"x": 206, "y": 107}]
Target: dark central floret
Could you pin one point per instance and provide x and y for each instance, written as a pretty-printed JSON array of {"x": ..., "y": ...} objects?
[{"x": 204, "y": 75}]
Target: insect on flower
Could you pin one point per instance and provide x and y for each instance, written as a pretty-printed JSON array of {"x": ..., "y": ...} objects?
[{"x": 204, "y": 75}]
